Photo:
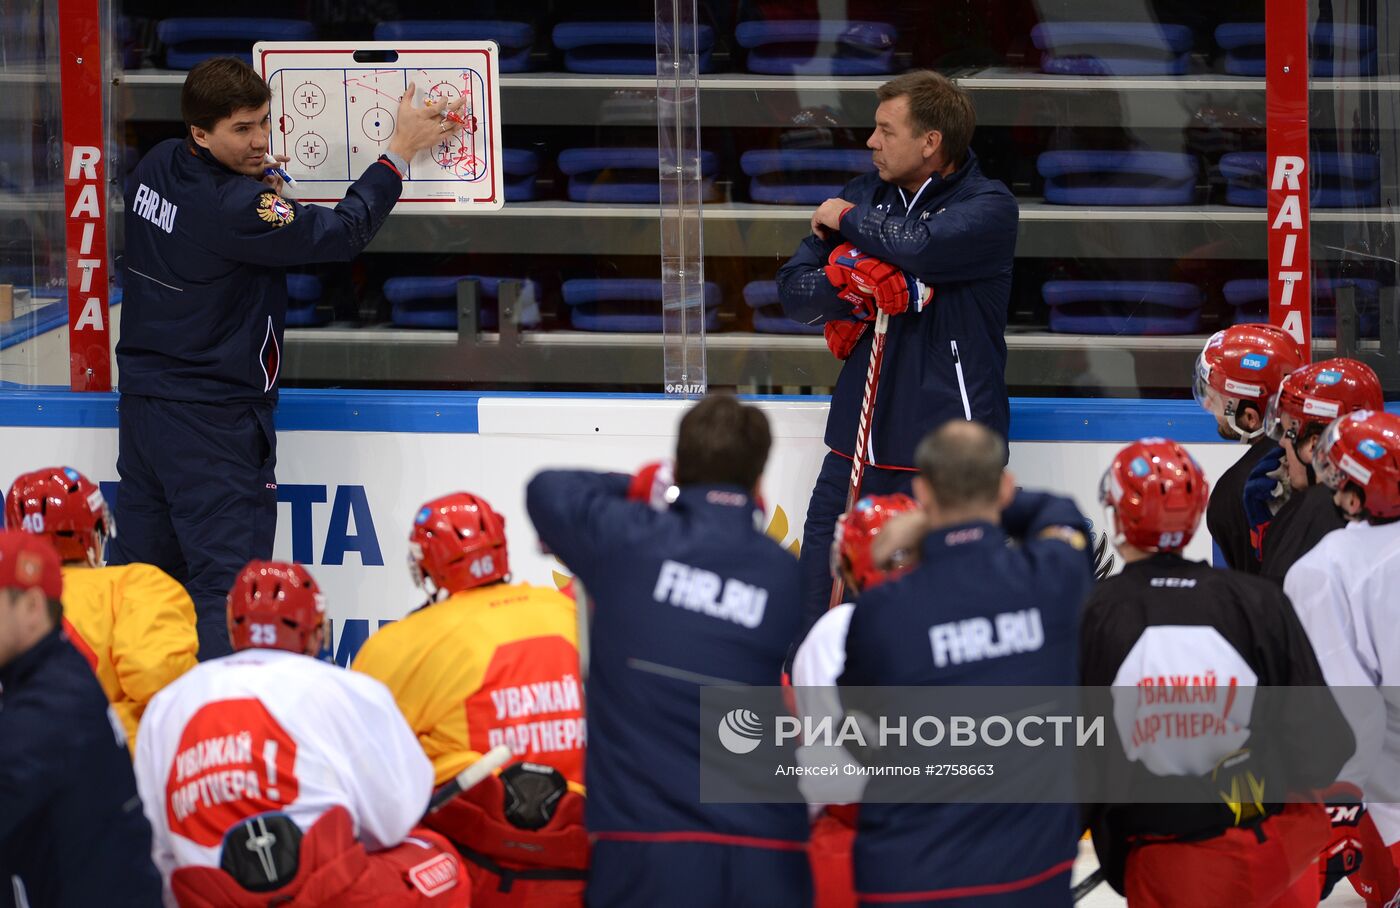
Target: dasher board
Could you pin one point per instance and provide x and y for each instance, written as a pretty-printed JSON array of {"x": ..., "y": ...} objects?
[{"x": 334, "y": 116}]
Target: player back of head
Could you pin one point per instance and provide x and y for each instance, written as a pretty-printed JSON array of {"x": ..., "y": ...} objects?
[
  {"x": 261, "y": 769},
  {"x": 134, "y": 623},
  {"x": 478, "y": 644},
  {"x": 1164, "y": 624},
  {"x": 686, "y": 589}
]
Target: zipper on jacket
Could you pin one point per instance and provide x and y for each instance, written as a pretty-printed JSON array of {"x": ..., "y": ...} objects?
[{"x": 962, "y": 385}]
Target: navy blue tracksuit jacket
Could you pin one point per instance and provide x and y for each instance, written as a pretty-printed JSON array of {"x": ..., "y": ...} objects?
[
  {"x": 652, "y": 645},
  {"x": 959, "y": 237},
  {"x": 71, "y": 825},
  {"x": 200, "y": 355},
  {"x": 909, "y": 632}
]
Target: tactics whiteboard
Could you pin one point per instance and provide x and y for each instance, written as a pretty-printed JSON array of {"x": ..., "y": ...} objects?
[{"x": 334, "y": 116}]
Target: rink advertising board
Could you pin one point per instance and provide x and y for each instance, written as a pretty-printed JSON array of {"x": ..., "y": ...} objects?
[{"x": 353, "y": 467}]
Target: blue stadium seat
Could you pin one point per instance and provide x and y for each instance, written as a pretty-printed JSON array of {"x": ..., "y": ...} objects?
[
  {"x": 626, "y": 304},
  {"x": 768, "y": 318},
  {"x": 626, "y": 48},
  {"x": 1249, "y": 302},
  {"x": 1118, "y": 177},
  {"x": 1347, "y": 50},
  {"x": 303, "y": 294},
  {"x": 513, "y": 38},
  {"x": 520, "y": 167},
  {"x": 789, "y": 47},
  {"x": 621, "y": 175},
  {"x": 431, "y": 302},
  {"x": 193, "y": 40},
  {"x": 1123, "y": 307},
  {"x": 1338, "y": 180},
  {"x": 802, "y": 176},
  {"x": 1112, "y": 48}
]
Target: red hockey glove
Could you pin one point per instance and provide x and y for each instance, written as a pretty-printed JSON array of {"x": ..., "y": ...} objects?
[
  {"x": 840, "y": 265},
  {"x": 894, "y": 290},
  {"x": 841, "y": 337},
  {"x": 652, "y": 484}
]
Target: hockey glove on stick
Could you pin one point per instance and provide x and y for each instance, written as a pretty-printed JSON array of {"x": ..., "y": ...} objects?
[
  {"x": 842, "y": 337},
  {"x": 893, "y": 290},
  {"x": 840, "y": 266},
  {"x": 1342, "y": 856}
]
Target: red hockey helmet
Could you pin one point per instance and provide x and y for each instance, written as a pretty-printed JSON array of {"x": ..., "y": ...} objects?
[
  {"x": 1316, "y": 394},
  {"x": 1156, "y": 493},
  {"x": 275, "y": 605},
  {"x": 1244, "y": 364},
  {"x": 1361, "y": 452},
  {"x": 65, "y": 506},
  {"x": 458, "y": 542},
  {"x": 857, "y": 529}
]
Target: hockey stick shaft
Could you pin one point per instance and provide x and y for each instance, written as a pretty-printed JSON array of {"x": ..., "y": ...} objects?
[
  {"x": 862, "y": 451},
  {"x": 490, "y": 761}
]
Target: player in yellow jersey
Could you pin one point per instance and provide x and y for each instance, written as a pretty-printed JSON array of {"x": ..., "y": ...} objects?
[
  {"x": 488, "y": 662},
  {"x": 133, "y": 623}
]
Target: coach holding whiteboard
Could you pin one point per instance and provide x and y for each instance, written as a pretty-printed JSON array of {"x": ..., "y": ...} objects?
[
  {"x": 926, "y": 220},
  {"x": 208, "y": 236}
]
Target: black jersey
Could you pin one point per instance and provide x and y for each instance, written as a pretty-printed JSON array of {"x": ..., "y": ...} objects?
[
  {"x": 1166, "y": 624},
  {"x": 1225, "y": 517},
  {"x": 1298, "y": 526}
]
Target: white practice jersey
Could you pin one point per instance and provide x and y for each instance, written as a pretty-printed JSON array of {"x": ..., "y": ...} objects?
[
  {"x": 816, "y": 666},
  {"x": 821, "y": 658},
  {"x": 1347, "y": 595},
  {"x": 266, "y": 730}
]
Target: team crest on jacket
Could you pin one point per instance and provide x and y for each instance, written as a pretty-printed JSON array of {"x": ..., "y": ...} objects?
[{"x": 275, "y": 210}]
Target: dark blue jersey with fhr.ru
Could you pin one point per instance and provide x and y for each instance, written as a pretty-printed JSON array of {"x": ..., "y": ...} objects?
[
  {"x": 682, "y": 597},
  {"x": 948, "y": 361},
  {"x": 976, "y": 611},
  {"x": 205, "y": 295}
]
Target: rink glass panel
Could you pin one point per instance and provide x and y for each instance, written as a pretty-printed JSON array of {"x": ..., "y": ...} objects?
[
  {"x": 1125, "y": 263},
  {"x": 33, "y": 301},
  {"x": 1354, "y": 124}
]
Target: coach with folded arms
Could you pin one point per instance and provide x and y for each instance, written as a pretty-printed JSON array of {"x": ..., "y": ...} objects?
[{"x": 928, "y": 239}]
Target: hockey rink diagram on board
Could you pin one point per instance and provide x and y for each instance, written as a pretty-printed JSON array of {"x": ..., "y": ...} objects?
[{"x": 333, "y": 115}]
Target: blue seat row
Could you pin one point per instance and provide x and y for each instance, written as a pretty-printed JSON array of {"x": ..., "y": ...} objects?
[
  {"x": 604, "y": 305},
  {"x": 1139, "y": 308},
  {"x": 779, "y": 47},
  {"x": 1169, "y": 178},
  {"x": 1154, "y": 49}
]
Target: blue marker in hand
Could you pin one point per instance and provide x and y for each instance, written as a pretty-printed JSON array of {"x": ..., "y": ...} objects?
[{"x": 275, "y": 170}]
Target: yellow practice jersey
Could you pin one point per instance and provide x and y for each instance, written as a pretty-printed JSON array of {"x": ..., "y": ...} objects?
[
  {"x": 495, "y": 665},
  {"x": 135, "y": 625}
]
